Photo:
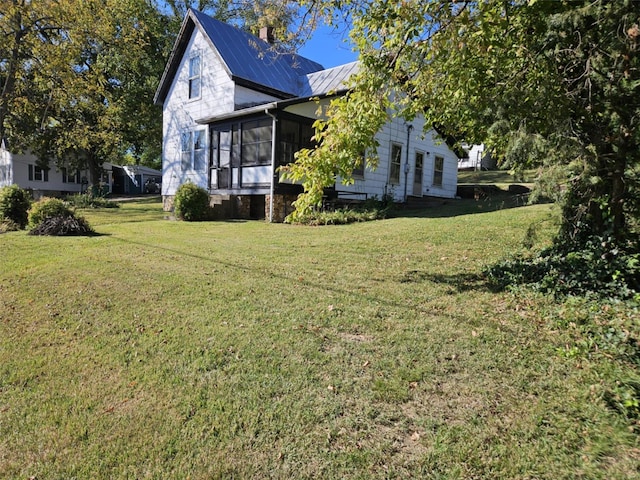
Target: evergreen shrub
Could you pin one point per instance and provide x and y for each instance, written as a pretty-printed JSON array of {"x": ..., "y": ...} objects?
[
  {"x": 14, "y": 207},
  {"x": 191, "y": 202}
]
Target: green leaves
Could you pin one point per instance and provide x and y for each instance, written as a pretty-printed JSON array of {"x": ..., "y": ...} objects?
[
  {"x": 543, "y": 84},
  {"x": 343, "y": 140},
  {"x": 81, "y": 86}
]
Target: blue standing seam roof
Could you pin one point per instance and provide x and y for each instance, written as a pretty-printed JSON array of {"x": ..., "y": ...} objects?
[{"x": 255, "y": 60}]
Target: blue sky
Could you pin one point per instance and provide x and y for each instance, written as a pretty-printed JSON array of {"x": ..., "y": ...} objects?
[{"x": 329, "y": 46}]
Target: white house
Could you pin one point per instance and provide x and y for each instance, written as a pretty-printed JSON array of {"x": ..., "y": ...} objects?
[
  {"x": 477, "y": 157},
  {"x": 24, "y": 171},
  {"x": 234, "y": 110}
]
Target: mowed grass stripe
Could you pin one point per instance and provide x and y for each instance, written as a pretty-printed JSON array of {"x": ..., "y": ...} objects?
[{"x": 164, "y": 349}]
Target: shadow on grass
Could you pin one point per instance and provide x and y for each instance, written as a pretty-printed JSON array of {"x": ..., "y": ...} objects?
[
  {"x": 457, "y": 207},
  {"x": 460, "y": 282}
]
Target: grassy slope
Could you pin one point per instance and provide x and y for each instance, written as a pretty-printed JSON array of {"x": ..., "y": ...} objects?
[
  {"x": 241, "y": 349},
  {"x": 495, "y": 177}
]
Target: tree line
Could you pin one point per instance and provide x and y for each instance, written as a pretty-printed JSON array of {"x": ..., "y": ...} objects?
[{"x": 77, "y": 77}]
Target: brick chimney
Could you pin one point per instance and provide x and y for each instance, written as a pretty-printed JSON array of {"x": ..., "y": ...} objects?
[{"x": 266, "y": 34}]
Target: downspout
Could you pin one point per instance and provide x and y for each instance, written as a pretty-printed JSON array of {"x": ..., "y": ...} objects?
[
  {"x": 406, "y": 165},
  {"x": 273, "y": 161}
]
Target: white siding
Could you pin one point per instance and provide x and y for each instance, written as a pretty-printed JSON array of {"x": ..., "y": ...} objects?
[
  {"x": 181, "y": 113},
  {"x": 376, "y": 183},
  {"x": 245, "y": 97},
  {"x": 6, "y": 170},
  {"x": 14, "y": 169},
  {"x": 219, "y": 95},
  {"x": 256, "y": 175}
]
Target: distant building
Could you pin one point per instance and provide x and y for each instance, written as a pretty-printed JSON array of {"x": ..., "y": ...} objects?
[
  {"x": 24, "y": 171},
  {"x": 476, "y": 157},
  {"x": 58, "y": 181}
]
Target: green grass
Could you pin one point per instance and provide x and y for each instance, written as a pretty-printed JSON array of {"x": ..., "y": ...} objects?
[
  {"x": 503, "y": 177},
  {"x": 164, "y": 349}
]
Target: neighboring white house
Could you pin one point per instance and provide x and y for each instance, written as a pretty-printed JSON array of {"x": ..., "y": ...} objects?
[
  {"x": 24, "y": 171},
  {"x": 477, "y": 158},
  {"x": 234, "y": 110}
]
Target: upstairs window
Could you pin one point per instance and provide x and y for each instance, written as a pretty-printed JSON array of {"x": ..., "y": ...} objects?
[
  {"x": 438, "y": 167},
  {"x": 194, "y": 77}
]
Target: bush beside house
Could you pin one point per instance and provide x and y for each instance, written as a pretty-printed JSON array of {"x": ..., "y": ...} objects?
[{"x": 14, "y": 208}]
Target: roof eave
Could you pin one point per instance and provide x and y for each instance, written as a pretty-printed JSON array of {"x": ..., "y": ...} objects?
[
  {"x": 182, "y": 40},
  {"x": 266, "y": 107},
  {"x": 175, "y": 57},
  {"x": 261, "y": 88}
]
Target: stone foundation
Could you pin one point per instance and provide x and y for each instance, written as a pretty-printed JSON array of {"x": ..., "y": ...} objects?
[
  {"x": 243, "y": 206},
  {"x": 167, "y": 203},
  {"x": 282, "y": 206}
]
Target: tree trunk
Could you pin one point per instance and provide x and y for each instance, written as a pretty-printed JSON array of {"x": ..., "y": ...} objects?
[
  {"x": 10, "y": 78},
  {"x": 94, "y": 166},
  {"x": 618, "y": 196}
]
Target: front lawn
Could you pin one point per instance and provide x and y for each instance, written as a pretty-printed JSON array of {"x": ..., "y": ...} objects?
[{"x": 242, "y": 349}]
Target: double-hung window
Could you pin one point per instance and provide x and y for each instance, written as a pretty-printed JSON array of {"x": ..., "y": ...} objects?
[
  {"x": 186, "y": 144},
  {"x": 358, "y": 167},
  {"x": 394, "y": 167},
  {"x": 193, "y": 150},
  {"x": 438, "y": 168},
  {"x": 194, "y": 76},
  {"x": 199, "y": 155},
  {"x": 68, "y": 177},
  {"x": 38, "y": 174}
]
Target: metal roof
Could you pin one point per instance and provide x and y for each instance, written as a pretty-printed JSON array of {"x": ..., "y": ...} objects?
[
  {"x": 256, "y": 64},
  {"x": 326, "y": 81},
  {"x": 249, "y": 58}
]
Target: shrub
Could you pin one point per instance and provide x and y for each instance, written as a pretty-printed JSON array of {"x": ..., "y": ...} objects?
[
  {"x": 14, "y": 206},
  {"x": 191, "y": 202},
  {"x": 598, "y": 267},
  {"x": 47, "y": 208},
  {"x": 63, "y": 225},
  {"x": 87, "y": 200},
  {"x": 372, "y": 209}
]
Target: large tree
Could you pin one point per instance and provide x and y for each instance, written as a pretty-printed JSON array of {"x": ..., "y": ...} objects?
[
  {"x": 25, "y": 29},
  {"x": 99, "y": 84},
  {"x": 544, "y": 83},
  {"x": 77, "y": 77}
]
